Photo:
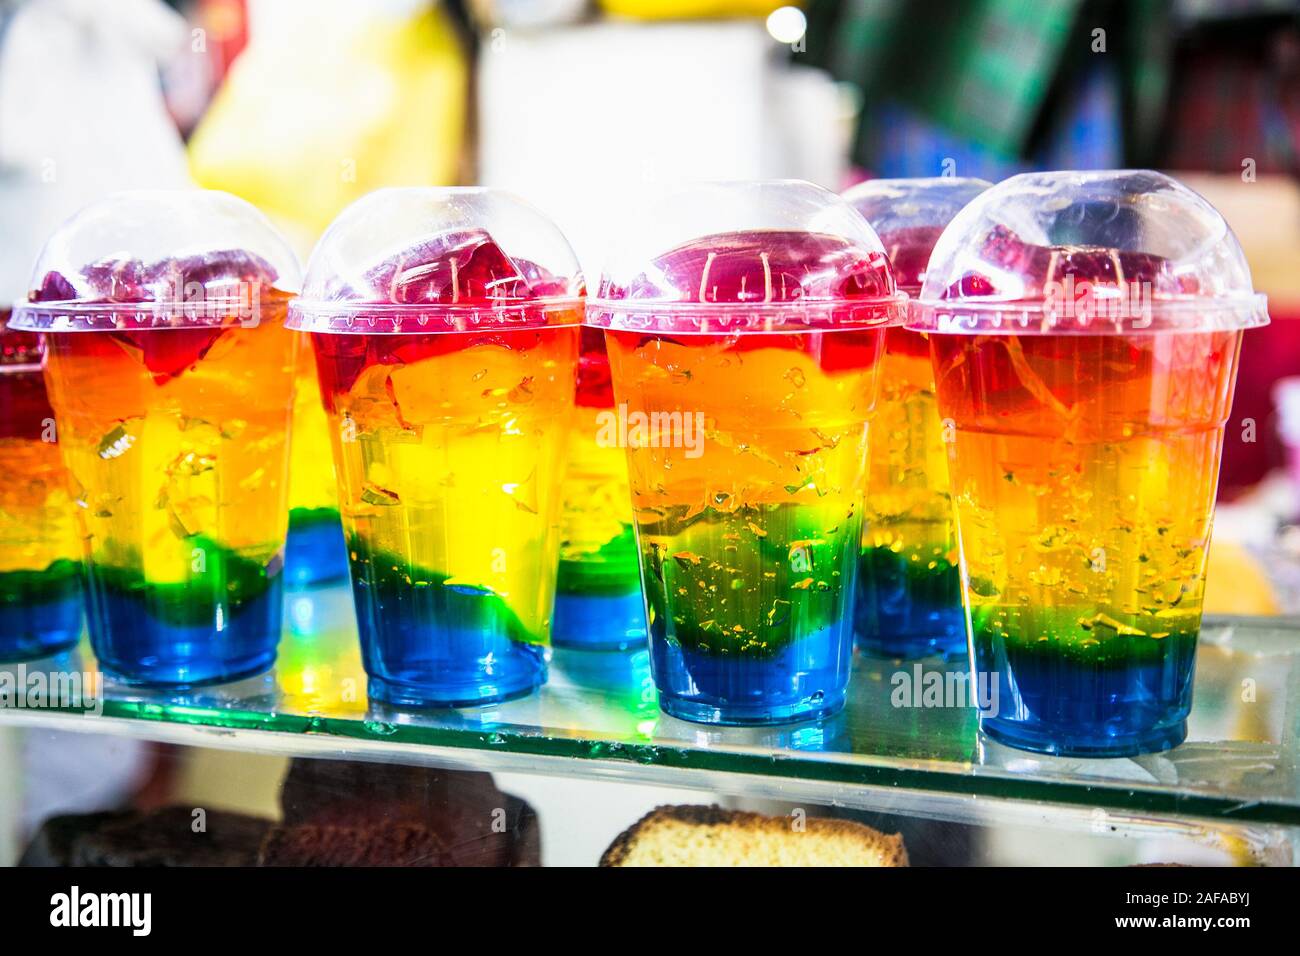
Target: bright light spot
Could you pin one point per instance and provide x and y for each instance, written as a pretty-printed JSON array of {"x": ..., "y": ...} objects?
[
  {"x": 787, "y": 24},
  {"x": 302, "y": 610}
]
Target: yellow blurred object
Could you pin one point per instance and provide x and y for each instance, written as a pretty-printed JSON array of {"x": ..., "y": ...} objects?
[
  {"x": 308, "y": 122},
  {"x": 1236, "y": 584},
  {"x": 685, "y": 9}
]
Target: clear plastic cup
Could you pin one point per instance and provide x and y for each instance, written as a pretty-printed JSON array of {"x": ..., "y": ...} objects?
[
  {"x": 745, "y": 324},
  {"x": 909, "y": 586},
  {"x": 316, "y": 552},
  {"x": 598, "y": 602},
  {"x": 40, "y": 550},
  {"x": 171, "y": 377},
  {"x": 1085, "y": 329},
  {"x": 445, "y": 325}
]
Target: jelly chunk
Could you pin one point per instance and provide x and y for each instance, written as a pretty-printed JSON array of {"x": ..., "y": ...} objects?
[
  {"x": 762, "y": 266},
  {"x": 595, "y": 389},
  {"x": 119, "y": 279},
  {"x": 165, "y": 352},
  {"x": 1022, "y": 271},
  {"x": 456, "y": 267}
]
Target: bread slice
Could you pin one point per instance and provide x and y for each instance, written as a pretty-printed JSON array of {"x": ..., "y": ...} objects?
[{"x": 711, "y": 836}]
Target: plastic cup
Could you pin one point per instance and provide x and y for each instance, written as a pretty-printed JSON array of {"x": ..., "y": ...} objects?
[
  {"x": 909, "y": 585},
  {"x": 171, "y": 378},
  {"x": 1085, "y": 329},
  {"x": 40, "y": 566},
  {"x": 745, "y": 323},
  {"x": 598, "y": 602},
  {"x": 315, "y": 552},
  {"x": 445, "y": 325}
]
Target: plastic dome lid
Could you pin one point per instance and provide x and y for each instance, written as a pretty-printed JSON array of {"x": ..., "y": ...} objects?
[
  {"x": 159, "y": 259},
  {"x": 909, "y": 215},
  {"x": 1087, "y": 252},
  {"x": 439, "y": 259},
  {"x": 747, "y": 257}
]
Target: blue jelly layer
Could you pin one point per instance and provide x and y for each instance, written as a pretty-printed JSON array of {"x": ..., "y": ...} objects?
[
  {"x": 804, "y": 680},
  {"x": 438, "y": 646},
  {"x": 315, "y": 553},
  {"x": 1058, "y": 703},
  {"x": 32, "y": 631},
  {"x": 904, "y": 611},
  {"x": 599, "y": 622},
  {"x": 134, "y": 646}
]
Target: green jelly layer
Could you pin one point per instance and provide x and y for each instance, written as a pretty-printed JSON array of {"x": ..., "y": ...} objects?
[
  {"x": 227, "y": 578},
  {"x": 303, "y": 517},
  {"x": 937, "y": 586},
  {"x": 60, "y": 581},
  {"x": 610, "y": 570},
  {"x": 401, "y": 587},
  {"x": 1083, "y": 636},
  {"x": 731, "y": 591}
]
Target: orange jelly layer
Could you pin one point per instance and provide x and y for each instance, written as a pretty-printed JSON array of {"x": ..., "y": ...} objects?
[
  {"x": 449, "y": 449},
  {"x": 1084, "y": 472},
  {"x": 748, "y": 502},
  {"x": 175, "y": 436},
  {"x": 37, "y": 521}
]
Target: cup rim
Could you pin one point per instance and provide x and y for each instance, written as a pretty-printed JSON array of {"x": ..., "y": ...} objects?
[
  {"x": 210, "y": 312},
  {"x": 710, "y": 318},
  {"x": 392, "y": 318},
  {"x": 1185, "y": 314}
]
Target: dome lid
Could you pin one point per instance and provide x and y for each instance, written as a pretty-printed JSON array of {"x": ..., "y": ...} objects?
[
  {"x": 909, "y": 215},
  {"x": 158, "y": 259},
  {"x": 746, "y": 257},
  {"x": 439, "y": 259},
  {"x": 1087, "y": 252}
]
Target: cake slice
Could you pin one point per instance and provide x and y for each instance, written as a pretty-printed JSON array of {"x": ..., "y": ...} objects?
[{"x": 711, "y": 836}]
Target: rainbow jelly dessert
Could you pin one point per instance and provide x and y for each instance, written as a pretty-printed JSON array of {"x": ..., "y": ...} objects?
[
  {"x": 748, "y": 363},
  {"x": 40, "y": 550},
  {"x": 598, "y": 603},
  {"x": 171, "y": 376},
  {"x": 909, "y": 588},
  {"x": 315, "y": 552},
  {"x": 1085, "y": 330},
  {"x": 447, "y": 367}
]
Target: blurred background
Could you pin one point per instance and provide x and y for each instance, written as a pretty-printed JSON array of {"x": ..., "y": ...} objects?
[{"x": 302, "y": 106}]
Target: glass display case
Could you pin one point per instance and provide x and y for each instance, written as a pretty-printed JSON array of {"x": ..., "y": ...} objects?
[{"x": 591, "y": 753}]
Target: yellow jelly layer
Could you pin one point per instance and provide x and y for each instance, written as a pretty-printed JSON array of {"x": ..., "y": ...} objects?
[
  {"x": 162, "y": 463},
  {"x": 1084, "y": 473},
  {"x": 451, "y": 464},
  {"x": 312, "y": 485},
  {"x": 907, "y": 508},
  {"x": 37, "y": 521}
]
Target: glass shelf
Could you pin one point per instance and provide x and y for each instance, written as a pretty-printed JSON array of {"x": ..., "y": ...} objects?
[{"x": 597, "y": 717}]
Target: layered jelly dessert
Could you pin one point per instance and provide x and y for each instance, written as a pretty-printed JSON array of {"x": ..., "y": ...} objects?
[
  {"x": 749, "y": 378},
  {"x": 909, "y": 587},
  {"x": 598, "y": 603},
  {"x": 1087, "y": 361},
  {"x": 447, "y": 370},
  {"x": 315, "y": 552},
  {"x": 171, "y": 379},
  {"x": 40, "y": 549}
]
